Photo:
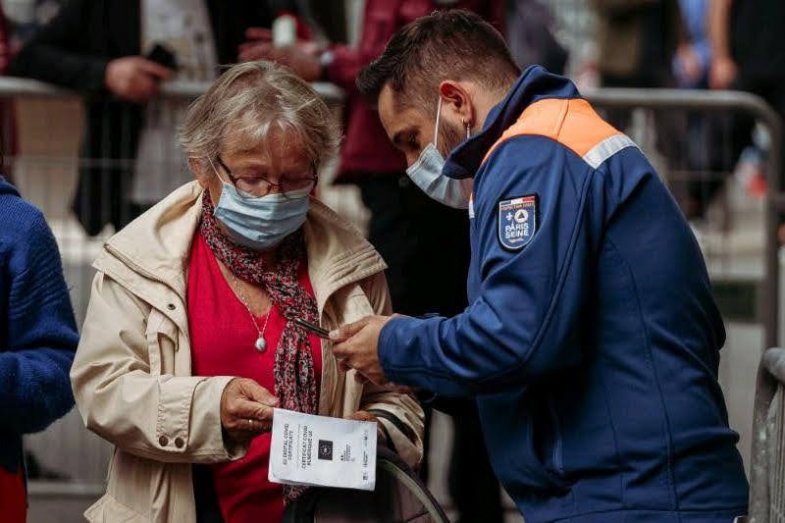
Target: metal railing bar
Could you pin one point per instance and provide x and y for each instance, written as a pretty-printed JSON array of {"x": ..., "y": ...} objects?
[
  {"x": 774, "y": 361},
  {"x": 12, "y": 87},
  {"x": 38, "y": 488}
]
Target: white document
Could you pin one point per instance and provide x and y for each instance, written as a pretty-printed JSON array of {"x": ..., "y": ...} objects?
[{"x": 322, "y": 451}]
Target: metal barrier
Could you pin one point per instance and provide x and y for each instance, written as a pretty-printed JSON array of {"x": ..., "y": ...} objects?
[
  {"x": 629, "y": 100},
  {"x": 767, "y": 499}
]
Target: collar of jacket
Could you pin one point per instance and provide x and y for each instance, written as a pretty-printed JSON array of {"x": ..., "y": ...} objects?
[
  {"x": 7, "y": 188},
  {"x": 154, "y": 250},
  {"x": 533, "y": 85}
]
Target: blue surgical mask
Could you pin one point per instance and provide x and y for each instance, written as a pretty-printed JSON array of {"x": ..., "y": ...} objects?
[
  {"x": 426, "y": 173},
  {"x": 261, "y": 223}
]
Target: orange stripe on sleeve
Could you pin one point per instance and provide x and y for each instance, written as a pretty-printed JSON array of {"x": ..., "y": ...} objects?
[{"x": 572, "y": 122}]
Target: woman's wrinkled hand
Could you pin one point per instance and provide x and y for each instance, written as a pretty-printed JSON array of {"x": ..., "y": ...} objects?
[{"x": 246, "y": 409}]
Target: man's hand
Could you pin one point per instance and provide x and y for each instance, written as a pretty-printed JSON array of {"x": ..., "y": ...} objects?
[
  {"x": 302, "y": 57},
  {"x": 134, "y": 78},
  {"x": 723, "y": 72},
  {"x": 356, "y": 346},
  {"x": 246, "y": 409}
]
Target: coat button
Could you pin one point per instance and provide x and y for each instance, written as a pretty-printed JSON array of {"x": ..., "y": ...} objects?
[
  {"x": 178, "y": 442},
  {"x": 171, "y": 306},
  {"x": 163, "y": 441}
]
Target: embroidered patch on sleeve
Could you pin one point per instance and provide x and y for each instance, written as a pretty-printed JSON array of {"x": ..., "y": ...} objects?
[{"x": 517, "y": 222}]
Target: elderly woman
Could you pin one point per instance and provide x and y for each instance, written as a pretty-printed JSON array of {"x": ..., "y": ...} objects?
[{"x": 190, "y": 338}]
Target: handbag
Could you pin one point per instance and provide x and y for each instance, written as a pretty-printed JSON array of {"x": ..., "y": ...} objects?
[{"x": 399, "y": 497}]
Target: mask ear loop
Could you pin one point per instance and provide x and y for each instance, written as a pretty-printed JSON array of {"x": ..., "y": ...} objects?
[
  {"x": 215, "y": 170},
  {"x": 436, "y": 127}
]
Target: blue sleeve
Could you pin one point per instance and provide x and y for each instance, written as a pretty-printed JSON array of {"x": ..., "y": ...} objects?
[
  {"x": 526, "y": 319},
  {"x": 41, "y": 335}
]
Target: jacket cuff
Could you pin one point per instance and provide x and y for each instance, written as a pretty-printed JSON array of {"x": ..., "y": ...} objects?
[
  {"x": 189, "y": 419},
  {"x": 95, "y": 80},
  {"x": 391, "y": 354}
]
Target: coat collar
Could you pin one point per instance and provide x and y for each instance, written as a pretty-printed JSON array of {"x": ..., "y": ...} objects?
[
  {"x": 533, "y": 85},
  {"x": 157, "y": 245}
]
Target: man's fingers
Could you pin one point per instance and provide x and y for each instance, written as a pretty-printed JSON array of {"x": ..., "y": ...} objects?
[
  {"x": 362, "y": 415},
  {"x": 345, "y": 332},
  {"x": 259, "y": 33},
  {"x": 154, "y": 69},
  {"x": 401, "y": 389},
  {"x": 254, "y": 51}
]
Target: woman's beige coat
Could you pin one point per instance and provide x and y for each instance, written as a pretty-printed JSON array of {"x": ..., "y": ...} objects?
[{"x": 132, "y": 372}]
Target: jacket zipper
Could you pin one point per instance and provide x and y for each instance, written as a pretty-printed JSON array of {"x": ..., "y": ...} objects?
[{"x": 557, "y": 447}]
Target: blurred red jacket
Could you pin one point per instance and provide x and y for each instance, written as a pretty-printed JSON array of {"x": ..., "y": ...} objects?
[
  {"x": 367, "y": 150},
  {"x": 3, "y": 42}
]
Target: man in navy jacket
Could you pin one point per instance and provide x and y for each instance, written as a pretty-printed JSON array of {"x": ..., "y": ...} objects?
[{"x": 591, "y": 342}]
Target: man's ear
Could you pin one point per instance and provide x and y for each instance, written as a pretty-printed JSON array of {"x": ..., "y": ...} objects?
[{"x": 455, "y": 96}]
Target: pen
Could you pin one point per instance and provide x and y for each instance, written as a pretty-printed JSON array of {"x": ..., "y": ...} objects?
[{"x": 322, "y": 333}]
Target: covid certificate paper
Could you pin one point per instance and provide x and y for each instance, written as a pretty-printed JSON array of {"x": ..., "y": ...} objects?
[{"x": 322, "y": 451}]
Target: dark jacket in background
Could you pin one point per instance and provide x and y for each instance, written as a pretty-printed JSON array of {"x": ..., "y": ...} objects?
[
  {"x": 73, "y": 51},
  {"x": 38, "y": 333},
  {"x": 637, "y": 37},
  {"x": 757, "y": 29},
  {"x": 530, "y": 26}
]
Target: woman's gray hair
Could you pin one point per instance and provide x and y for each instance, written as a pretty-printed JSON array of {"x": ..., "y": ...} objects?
[{"x": 251, "y": 99}]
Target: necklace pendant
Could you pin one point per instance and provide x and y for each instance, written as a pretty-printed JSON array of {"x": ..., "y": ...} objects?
[{"x": 261, "y": 345}]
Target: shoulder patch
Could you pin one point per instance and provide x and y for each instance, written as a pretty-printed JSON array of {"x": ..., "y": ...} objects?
[{"x": 517, "y": 222}]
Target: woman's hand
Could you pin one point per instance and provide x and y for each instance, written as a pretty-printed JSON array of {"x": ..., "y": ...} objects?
[
  {"x": 362, "y": 415},
  {"x": 246, "y": 409}
]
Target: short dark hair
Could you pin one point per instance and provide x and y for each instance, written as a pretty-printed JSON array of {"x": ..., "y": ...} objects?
[{"x": 453, "y": 44}]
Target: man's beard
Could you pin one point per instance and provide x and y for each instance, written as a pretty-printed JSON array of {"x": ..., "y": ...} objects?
[{"x": 450, "y": 137}]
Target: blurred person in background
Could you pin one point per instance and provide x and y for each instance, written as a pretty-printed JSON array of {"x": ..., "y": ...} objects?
[
  {"x": 7, "y": 126},
  {"x": 530, "y": 35},
  {"x": 38, "y": 338},
  {"x": 118, "y": 52},
  {"x": 693, "y": 56},
  {"x": 691, "y": 65},
  {"x": 748, "y": 55},
  {"x": 637, "y": 42},
  {"x": 189, "y": 340},
  {"x": 26, "y": 17},
  {"x": 409, "y": 229}
]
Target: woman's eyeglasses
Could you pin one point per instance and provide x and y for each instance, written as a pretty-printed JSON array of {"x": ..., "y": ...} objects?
[{"x": 260, "y": 186}]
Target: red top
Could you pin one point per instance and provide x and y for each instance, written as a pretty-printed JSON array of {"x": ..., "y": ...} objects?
[
  {"x": 222, "y": 344},
  {"x": 13, "y": 500}
]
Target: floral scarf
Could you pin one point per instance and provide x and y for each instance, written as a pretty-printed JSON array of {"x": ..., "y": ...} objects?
[{"x": 295, "y": 381}]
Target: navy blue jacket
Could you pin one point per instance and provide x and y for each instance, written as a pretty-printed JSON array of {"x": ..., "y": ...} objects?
[
  {"x": 591, "y": 341},
  {"x": 38, "y": 333}
]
